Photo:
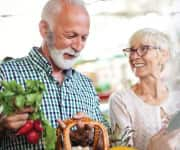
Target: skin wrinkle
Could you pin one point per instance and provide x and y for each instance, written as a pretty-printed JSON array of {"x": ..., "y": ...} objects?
[{"x": 82, "y": 29}]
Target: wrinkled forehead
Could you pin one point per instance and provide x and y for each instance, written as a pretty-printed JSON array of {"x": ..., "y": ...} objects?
[{"x": 73, "y": 12}]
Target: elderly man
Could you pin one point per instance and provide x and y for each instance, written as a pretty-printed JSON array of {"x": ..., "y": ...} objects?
[{"x": 64, "y": 28}]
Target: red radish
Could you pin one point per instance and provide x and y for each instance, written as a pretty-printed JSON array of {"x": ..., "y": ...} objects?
[
  {"x": 38, "y": 126},
  {"x": 25, "y": 128},
  {"x": 33, "y": 137}
]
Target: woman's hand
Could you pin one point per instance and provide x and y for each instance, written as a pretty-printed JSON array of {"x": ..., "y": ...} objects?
[
  {"x": 15, "y": 121},
  {"x": 164, "y": 140}
]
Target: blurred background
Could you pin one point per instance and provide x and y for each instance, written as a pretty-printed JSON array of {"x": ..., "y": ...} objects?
[{"x": 112, "y": 23}]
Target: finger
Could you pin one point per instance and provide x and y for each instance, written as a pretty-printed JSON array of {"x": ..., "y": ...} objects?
[
  {"x": 15, "y": 122},
  {"x": 61, "y": 124},
  {"x": 2, "y": 117},
  {"x": 17, "y": 117},
  {"x": 15, "y": 125},
  {"x": 80, "y": 127},
  {"x": 25, "y": 110},
  {"x": 159, "y": 134},
  {"x": 84, "y": 128},
  {"x": 80, "y": 115},
  {"x": 80, "y": 124},
  {"x": 162, "y": 132}
]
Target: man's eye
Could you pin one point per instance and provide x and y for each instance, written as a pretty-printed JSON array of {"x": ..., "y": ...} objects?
[
  {"x": 70, "y": 36},
  {"x": 84, "y": 38}
]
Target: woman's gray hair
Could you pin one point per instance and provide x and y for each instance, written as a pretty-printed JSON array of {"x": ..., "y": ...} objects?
[
  {"x": 53, "y": 7},
  {"x": 157, "y": 37}
]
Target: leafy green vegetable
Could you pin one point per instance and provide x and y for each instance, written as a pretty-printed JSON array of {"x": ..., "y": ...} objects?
[
  {"x": 14, "y": 97},
  {"x": 30, "y": 99},
  {"x": 1, "y": 108},
  {"x": 19, "y": 102},
  {"x": 50, "y": 136}
]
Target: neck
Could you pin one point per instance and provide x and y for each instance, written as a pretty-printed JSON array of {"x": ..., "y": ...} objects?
[
  {"x": 151, "y": 87},
  {"x": 151, "y": 90}
]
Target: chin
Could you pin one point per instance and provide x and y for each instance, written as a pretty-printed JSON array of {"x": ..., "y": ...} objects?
[{"x": 141, "y": 74}]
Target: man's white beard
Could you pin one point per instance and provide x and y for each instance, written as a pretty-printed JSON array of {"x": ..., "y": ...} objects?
[{"x": 58, "y": 57}]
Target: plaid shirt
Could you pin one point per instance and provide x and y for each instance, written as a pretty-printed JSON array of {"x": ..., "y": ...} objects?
[{"x": 75, "y": 94}]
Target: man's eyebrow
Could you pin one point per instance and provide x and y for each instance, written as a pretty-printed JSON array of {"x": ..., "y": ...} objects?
[
  {"x": 75, "y": 33},
  {"x": 68, "y": 32}
]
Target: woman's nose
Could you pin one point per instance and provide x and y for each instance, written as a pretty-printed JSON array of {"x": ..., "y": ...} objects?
[{"x": 135, "y": 55}]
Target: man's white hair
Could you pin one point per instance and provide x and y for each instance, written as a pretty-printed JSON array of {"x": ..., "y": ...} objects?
[{"x": 53, "y": 7}]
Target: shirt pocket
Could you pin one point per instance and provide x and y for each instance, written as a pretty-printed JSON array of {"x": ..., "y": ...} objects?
[{"x": 85, "y": 100}]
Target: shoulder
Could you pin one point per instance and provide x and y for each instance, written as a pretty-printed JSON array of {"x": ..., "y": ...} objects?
[
  {"x": 175, "y": 93},
  {"x": 121, "y": 97},
  {"x": 174, "y": 97},
  {"x": 15, "y": 63},
  {"x": 173, "y": 103},
  {"x": 14, "y": 66}
]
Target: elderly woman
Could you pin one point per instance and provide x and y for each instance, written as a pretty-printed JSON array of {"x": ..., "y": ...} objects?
[{"x": 148, "y": 105}]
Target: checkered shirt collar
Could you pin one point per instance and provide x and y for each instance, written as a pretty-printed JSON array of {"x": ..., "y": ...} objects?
[{"x": 42, "y": 63}]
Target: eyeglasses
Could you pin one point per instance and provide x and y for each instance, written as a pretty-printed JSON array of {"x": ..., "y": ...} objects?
[{"x": 141, "y": 51}]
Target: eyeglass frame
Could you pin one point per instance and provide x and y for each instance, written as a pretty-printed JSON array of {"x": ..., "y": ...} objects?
[{"x": 144, "y": 47}]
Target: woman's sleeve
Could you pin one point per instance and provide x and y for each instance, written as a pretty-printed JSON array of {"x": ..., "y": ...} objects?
[{"x": 121, "y": 120}]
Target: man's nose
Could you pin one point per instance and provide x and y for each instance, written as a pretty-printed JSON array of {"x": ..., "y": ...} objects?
[{"x": 78, "y": 44}]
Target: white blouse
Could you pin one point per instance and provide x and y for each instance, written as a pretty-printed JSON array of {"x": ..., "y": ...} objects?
[{"x": 127, "y": 109}]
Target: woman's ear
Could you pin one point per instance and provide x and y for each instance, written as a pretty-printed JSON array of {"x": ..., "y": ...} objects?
[
  {"x": 165, "y": 55},
  {"x": 43, "y": 28}
]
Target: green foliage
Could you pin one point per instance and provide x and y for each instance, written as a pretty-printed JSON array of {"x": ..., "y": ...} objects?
[
  {"x": 14, "y": 97},
  {"x": 50, "y": 136},
  {"x": 19, "y": 101},
  {"x": 103, "y": 87}
]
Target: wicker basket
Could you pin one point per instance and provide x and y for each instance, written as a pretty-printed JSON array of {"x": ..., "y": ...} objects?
[{"x": 65, "y": 144}]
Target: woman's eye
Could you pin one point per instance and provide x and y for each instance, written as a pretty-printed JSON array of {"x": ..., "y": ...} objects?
[{"x": 144, "y": 48}]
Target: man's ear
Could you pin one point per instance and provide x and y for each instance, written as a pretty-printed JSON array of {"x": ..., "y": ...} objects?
[{"x": 43, "y": 28}]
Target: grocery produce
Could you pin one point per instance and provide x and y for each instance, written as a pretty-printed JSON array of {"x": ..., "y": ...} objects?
[
  {"x": 38, "y": 125},
  {"x": 25, "y": 128},
  {"x": 33, "y": 137},
  {"x": 14, "y": 97}
]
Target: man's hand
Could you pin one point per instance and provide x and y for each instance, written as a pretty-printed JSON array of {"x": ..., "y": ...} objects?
[
  {"x": 83, "y": 134},
  {"x": 164, "y": 140},
  {"x": 15, "y": 121}
]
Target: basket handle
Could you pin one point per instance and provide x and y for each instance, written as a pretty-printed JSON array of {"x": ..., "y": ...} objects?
[{"x": 63, "y": 136}]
